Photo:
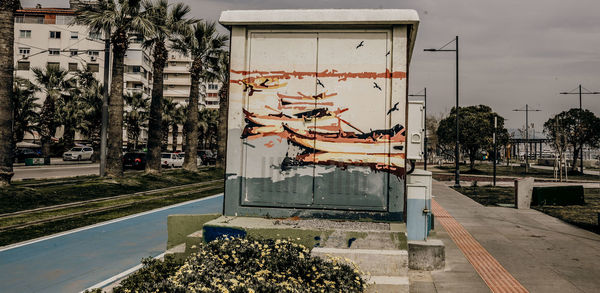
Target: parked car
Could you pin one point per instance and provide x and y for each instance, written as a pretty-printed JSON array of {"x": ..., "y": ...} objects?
[
  {"x": 208, "y": 157},
  {"x": 78, "y": 153},
  {"x": 171, "y": 160},
  {"x": 198, "y": 159},
  {"x": 134, "y": 161},
  {"x": 22, "y": 154}
]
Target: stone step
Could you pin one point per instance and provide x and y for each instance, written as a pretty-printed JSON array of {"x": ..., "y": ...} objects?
[
  {"x": 376, "y": 262},
  {"x": 388, "y": 284}
]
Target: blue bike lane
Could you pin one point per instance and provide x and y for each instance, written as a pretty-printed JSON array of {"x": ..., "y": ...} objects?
[{"x": 75, "y": 260}]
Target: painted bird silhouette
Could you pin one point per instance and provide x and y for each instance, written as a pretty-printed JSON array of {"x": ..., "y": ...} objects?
[
  {"x": 395, "y": 108},
  {"x": 375, "y": 85},
  {"x": 248, "y": 87},
  {"x": 320, "y": 83},
  {"x": 388, "y": 53},
  {"x": 361, "y": 44}
]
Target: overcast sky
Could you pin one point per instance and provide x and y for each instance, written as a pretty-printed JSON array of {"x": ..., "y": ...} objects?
[{"x": 512, "y": 52}]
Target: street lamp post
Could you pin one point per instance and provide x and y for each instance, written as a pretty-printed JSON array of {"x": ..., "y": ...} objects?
[
  {"x": 425, "y": 156},
  {"x": 456, "y": 147},
  {"x": 495, "y": 147},
  {"x": 580, "y": 93},
  {"x": 527, "y": 110}
]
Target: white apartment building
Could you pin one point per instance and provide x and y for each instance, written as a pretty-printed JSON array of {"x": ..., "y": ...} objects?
[{"x": 46, "y": 36}]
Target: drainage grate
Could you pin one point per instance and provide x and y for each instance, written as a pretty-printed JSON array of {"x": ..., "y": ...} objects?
[{"x": 497, "y": 278}]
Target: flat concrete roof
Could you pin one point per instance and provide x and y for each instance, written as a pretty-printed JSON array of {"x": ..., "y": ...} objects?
[
  {"x": 319, "y": 16},
  {"x": 309, "y": 17}
]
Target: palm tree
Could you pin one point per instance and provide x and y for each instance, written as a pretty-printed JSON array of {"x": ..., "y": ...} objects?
[
  {"x": 204, "y": 45},
  {"x": 168, "y": 22},
  {"x": 7, "y": 30},
  {"x": 89, "y": 114},
  {"x": 26, "y": 109},
  {"x": 168, "y": 112},
  {"x": 53, "y": 82},
  {"x": 178, "y": 118},
  {"x": 118, "y": 19},
  {"x": 66, "y": 111},
  {"x": 223, "y": 76},
  {"x": 136, "y": 117}
]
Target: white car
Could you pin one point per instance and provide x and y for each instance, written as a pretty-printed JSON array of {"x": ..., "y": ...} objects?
[
  {"x": 198, "y": 159},
  {"x": 171, "y": 160},
  {"x": 78, "y": 153}
]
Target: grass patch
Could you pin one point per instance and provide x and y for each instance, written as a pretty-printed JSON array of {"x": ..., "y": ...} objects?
[
  {"x": 489, "y": 195},
  {"x": 516, "y": 171},
  {"x": 18, "y": 235},
  {"x": 18, "y": 197},
  {"x": 583, "y": 216}
]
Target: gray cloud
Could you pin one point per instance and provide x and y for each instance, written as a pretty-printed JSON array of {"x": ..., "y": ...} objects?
[{"x": 513, "y": 52}]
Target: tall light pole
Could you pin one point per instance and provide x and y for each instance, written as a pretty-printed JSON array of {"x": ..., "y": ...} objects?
[
  {"x": 580, "y": 93},
  {"x": 424, "y": 95},
  {"x": 527, "y": 110},
  {"x": 495, "y": 147},
  {"x": 456, "y": 147}
]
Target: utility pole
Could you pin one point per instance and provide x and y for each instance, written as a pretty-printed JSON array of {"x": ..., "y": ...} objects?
[
  {"x": 580, "y": 93},
  {"x": 495, "y": 149},
  {"x": 103, "y": 134},
  {"x": 457, "y": 143},
  {"x": 527, "y": 110},
  {"x": 425, "y": 156}
]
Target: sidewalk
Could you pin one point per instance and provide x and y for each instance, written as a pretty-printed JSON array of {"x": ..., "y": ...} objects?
[{"x": 543, "y": 253}]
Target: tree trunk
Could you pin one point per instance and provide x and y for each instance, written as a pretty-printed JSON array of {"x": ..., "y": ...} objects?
[
  {"x": 191, "y": 123},
  {"x": 48, "y": 125},
  {"x": 222, "y": 127},
  {"x": 575, "y": 157},
  {"x": 174, "y": 135},
  {"x": 68, "y": 137},
  {"x": 7, "y": 10},
  {"x": 114, "y": 154},
  {"x": 155, "y": 119}
]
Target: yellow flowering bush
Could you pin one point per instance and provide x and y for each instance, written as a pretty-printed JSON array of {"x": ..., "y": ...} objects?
[
  {"x": 241, "y": 265},
  {"x": 250, "y": 266}
]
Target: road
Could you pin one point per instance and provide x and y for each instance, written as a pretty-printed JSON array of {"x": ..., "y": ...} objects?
[
  {"x": 75, "y": 260},
  {"x": 55, "y": 171}
]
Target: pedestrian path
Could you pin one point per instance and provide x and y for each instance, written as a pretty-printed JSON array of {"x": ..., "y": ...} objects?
[
  {"x": 76, "y": 260},
  {"x": 491, "y": 271},
  {"x": 541, "y": 252}
]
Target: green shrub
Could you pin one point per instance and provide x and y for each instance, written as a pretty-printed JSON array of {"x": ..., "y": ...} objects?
[
  {"x": 152, "y": 277},
  {"x": 245, "y": 266}
]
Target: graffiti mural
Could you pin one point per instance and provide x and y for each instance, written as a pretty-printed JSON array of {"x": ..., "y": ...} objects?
[{"x": 319, "y": 123}]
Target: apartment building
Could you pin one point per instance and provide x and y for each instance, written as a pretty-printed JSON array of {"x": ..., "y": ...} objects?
[{"x": 48, "y": 37}]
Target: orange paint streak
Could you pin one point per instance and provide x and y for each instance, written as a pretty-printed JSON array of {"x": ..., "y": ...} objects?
[
  {"x": 341, "y": 76},
  {"x": 302, "y": 96},
  {"x": 496, "y": 277},
  {"x": 269, "y": 144}
]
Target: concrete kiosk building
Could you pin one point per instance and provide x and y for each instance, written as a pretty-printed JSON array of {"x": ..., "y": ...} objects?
[{"x": 317, "y": 112}]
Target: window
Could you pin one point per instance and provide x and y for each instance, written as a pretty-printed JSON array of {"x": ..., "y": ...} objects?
[
  {"x": 74, "y": 35},
  {"x": 211, "y": 95},
  {"x": 24, "y": 51},
  {"x": 54, "y": 35},
  {"x": 74, "y": 52},
  {"x": 93, "y": 67},
  {"x": 72, "y": 66},
  {"x": 53, "y": 52},
  {"x": 165, "y": 76},
  {"x": 53, "y": 65},
  {"x": 95, "y": 35},
  {"x": 213, "y": 86},
  {"x": 25, "y": 34},
  {"x": 94, "y": 53},
  {"x": 23, "y": 65},
  {"x": 136, "y": 69}
]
